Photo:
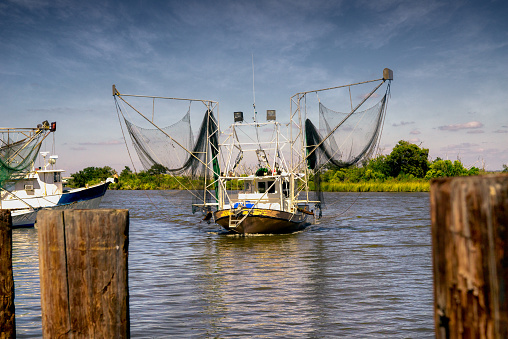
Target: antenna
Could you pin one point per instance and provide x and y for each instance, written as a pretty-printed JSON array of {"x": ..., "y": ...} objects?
[
  {"x": 254, "y": 104},
  {"x": 253, "y": 90}
]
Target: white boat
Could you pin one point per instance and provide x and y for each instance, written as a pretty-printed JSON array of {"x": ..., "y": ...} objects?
[
  {"x": 271, "y": 199},
  {"x": 27, "y": 191},
  {"x": 254, "y": 178}
]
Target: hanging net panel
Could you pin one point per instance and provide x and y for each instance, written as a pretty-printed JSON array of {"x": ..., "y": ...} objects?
[
  {"x": 343, "y": 139},
  {"x": 154, "y": 147},
  {"x": 18, "y": 149},
  {"x": 353, "y": 140},
  {"x": 182, "y": 156}
]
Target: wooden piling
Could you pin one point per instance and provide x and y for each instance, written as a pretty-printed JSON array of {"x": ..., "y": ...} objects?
[
  {"x": 83, "y": 272},
  {"x": 7, "y": 320},
  {"x": 470, "y": 256}
]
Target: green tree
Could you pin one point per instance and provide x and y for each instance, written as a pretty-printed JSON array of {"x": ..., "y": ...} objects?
[
  {"x": 157, "y": 169},
  {"x": 409, "y": 159},
  {"x": 378, "y": 168},
  {"x": 125, "y": 172},
  {"x": 91, "y": 175},
  {"x": 445, "y": 168},
  {"x": 505, "y": 168}
]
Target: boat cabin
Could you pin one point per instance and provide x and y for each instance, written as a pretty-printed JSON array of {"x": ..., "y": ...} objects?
[
  {"x": 35, "y": 183},
  {"x": 267, "y": 192}
]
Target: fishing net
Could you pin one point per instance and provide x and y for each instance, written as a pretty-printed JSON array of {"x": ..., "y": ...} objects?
[
  {"x": 154, "y": 147},
  {"x": 18, "y": 150},
  {"x": 174, "y": 148},
  {"x": 352, "y": 138}
]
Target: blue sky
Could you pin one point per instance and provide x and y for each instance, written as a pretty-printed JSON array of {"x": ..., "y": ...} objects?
[{"x": 59, "y": 59}]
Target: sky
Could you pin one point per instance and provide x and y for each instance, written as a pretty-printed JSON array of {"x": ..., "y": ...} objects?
[{"x": 59, "y": 60}]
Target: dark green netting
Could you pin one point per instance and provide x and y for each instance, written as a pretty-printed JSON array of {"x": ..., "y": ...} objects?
[{"x": 18, "y": 150}]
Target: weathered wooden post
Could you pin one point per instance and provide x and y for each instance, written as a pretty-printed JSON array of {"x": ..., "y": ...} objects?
[
  {"x": 470, "y": 256},
  {"x": 7, "y": 320},
  {"x": 83, "y": 271}
]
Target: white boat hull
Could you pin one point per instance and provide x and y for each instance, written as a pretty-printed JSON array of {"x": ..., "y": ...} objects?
[
  {"x": 83, "y": 198},
  {"x": 28, "y": 218}
]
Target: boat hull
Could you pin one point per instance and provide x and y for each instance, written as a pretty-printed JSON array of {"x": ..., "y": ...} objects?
[
  {"x": 83, "y": 198},
  {"x": 262, "y": 221}
]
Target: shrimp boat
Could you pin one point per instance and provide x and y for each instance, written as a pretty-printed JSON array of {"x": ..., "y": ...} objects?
[
  {"x": 254, "y": 177},
  {"x": 26, "y": 189},
  {"x": 269, "y": 199}
]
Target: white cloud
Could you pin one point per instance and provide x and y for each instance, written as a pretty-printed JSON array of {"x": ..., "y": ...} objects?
[
  {"x": 461, "y": 147},
  {"x": 458, "y": 127},
  {"x": 102, "y": 143},
  {"x": 403, "y": 123}
]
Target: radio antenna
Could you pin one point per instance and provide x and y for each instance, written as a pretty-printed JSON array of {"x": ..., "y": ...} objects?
[
  {"x": 254, "y": 90},
  {"x": 254, "y": 104}
]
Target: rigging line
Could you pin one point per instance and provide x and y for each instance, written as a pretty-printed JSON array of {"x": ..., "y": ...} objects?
[
  {"x": 53, "y": 148},
  {"x": 387, "y": 94},
  {"x": 248, "y": 136},
  {"x": 347, "y": 209},
  {"x": 25, "y": 145},
  {"x": 191, "y": 153},
  {"x": 23, "y": 201},
  {"x": 350, "y": 99},
  {"x": 191, "y": 184},
  {"x": 143, "y": 137},
  {"x": 132, "y": 162},
  {"x": 123, "y": 134},
  {"x": 251, "y": 209},
  {"x": 354, "y": 202},
  {"x": 254, "y": 104},
  {"x": 253, "y": 89},
  {"x": 118, "y": 109},
  {"x": 349, "y": 135},
  {"x": 343, "y": 120}
]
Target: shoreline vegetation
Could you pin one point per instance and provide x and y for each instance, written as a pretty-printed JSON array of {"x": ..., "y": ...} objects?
[{"x": 405, "y": 169}]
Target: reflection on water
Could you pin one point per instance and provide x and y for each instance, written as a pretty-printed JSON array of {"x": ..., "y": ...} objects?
[
  {"x": 363, "y": 272},
  {"x": 25, "y": 263}
]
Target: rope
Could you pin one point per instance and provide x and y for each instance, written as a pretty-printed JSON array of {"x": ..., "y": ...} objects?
[
  {"x": 119, "y": 111},
  {"x": 123, "y": 134},
  {"x": 354, "y": 202},
  {"x": 388, "y": 95}
]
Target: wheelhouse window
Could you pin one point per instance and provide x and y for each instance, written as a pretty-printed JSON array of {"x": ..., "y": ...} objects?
[
  {"x": 266, "y": 185},
  {"x": 261, "y": 187},
  {"x": 56, "y": 177},
  {"x": 271, "y": 187},
  {"x": 285, "y": 188}
]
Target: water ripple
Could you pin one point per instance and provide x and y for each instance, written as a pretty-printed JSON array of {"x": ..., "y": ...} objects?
[{"x": 363, "y": 272}]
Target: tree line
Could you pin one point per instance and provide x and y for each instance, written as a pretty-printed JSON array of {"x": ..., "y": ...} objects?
[{"x": 406, "y": 162}]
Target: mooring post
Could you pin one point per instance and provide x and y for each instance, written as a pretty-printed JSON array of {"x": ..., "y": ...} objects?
[
  {"x": 83, "y": 273},
  {"x": 7, "y": 320},
  {"x": 469, "y": 218}
]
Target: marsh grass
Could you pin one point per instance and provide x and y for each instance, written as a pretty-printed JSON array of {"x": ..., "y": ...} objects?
[
  {"x": 373, "y": 186},
  {"x": 165, "y": 182}
]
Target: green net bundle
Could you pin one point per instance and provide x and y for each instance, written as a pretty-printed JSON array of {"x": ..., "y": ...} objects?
[{"x": 18, "y": 150}]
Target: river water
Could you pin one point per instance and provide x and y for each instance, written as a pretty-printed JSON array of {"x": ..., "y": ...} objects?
[{"x": 364, "y": 272}]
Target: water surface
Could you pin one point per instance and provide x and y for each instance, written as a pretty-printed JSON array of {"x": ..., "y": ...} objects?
[{"x": 363, "y": 272}]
